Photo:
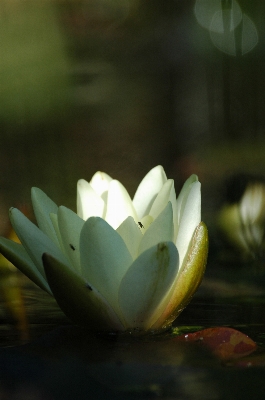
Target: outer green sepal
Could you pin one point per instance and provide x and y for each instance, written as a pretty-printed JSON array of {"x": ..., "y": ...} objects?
[
  {"x": 34, "y": 240},
  {"x": 189, "y": 277},
  {"x": 43, "y": 206},
  {"x": 79, "y": 300},
  {"x": 18, "y": 256}
]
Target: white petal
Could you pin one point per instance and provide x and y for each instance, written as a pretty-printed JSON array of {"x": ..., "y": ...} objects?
[
  {"x": 173, "y": 200},
  {"x": 161, "y": 230},
  {"x": 70, "y": 226},
  {"x": 119, "y": 205},
  {"x": 100, "y": 182},
  {"x": 104, "y": 258},
  {"x": 190, "y": 218},
  {"x": 184, "y": 193},
  {"x": 34, "y": 240},
  {"x": 18, "y": 256},
  {"x": 148, "y": 189},
  {"x": 131, "y": 235},
  {"x": 143, "y": 290},
  {"x": 162, "y": 198},
  {"x": 43, "y": 206},
  {"x": 89, "y": 203}
]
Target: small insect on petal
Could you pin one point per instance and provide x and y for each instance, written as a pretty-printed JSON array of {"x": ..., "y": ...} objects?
[
  {"x": 72, "y": 247},
  {"x": 140, "y": 224}
]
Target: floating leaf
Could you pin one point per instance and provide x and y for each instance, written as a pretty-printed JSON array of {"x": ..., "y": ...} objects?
[{"x": 225, "y": 343}]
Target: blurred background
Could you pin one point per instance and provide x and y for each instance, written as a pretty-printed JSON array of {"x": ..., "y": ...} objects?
[
  {"x": 121, "y": 86},
  {"x": 124, "y": 85}
]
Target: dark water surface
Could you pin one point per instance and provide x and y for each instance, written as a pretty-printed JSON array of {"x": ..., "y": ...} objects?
[{"x": 43, "y": 356}]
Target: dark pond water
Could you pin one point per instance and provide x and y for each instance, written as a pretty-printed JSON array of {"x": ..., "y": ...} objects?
[{"x": 43, "y": 356}]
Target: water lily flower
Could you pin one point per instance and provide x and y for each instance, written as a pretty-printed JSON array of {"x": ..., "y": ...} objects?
[
  {"x": 243, "y": 221},
  {"x": 117, "y": 264}
]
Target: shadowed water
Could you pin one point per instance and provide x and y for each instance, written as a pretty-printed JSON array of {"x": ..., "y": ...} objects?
[{"x": 51, "y": 357}]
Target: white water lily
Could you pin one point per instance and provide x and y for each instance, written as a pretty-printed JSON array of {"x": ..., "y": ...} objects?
[
  {"x": 118, "y": 264},
  {"x": 243, "y": 222}
]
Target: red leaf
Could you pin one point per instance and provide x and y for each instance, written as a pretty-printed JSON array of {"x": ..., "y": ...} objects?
[{"x": 225, "y": 343}]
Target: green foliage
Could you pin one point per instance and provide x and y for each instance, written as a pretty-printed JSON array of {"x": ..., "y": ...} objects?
[{"x": 33, "y": 66}]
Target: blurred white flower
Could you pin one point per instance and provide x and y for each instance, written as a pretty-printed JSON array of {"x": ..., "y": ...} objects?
[
  {"x": 244, "y": 222},
  {"x": 118, "y": 264}
]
